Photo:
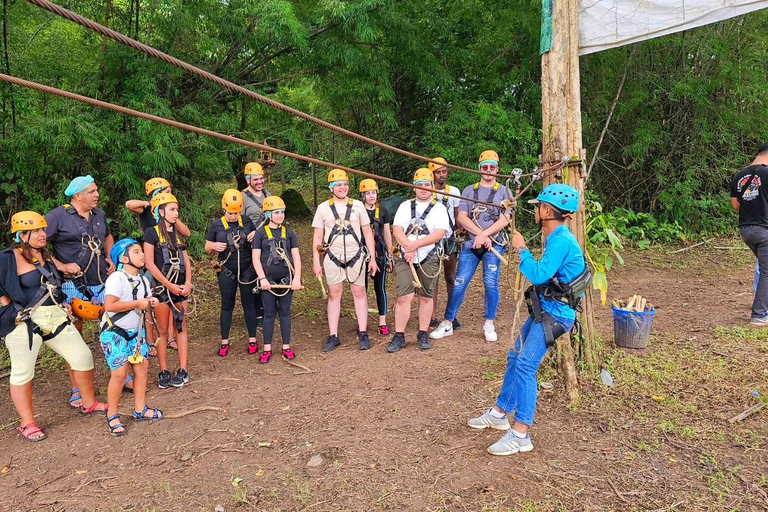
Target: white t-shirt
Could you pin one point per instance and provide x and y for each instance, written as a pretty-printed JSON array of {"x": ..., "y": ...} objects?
[
  {"x": 436, "y": 219},
  {"x": 121, "y": 285},
  {"x": 451, "y": 203}
]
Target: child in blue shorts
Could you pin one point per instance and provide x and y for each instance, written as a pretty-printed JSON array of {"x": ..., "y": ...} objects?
[{"x": 128, "y": 295}]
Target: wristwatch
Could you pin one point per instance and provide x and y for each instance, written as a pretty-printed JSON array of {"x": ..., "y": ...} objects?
[{"x": 521, "y": 250}]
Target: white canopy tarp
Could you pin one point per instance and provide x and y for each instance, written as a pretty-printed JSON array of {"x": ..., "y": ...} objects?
[{"x": 607, "y": 24}]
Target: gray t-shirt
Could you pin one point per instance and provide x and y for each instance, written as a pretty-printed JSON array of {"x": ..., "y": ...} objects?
[
  {"x": 484, "y": 216},
  {"x": 252, "y": 205},
  {"x": 65, "y": 232}
]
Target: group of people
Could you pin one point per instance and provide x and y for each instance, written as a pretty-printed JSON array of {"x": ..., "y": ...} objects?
[{"x": 135, "y": 289}]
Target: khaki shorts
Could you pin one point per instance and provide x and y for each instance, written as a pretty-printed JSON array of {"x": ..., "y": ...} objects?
[
  {"x": 404, "y": 276},
  {"x": 335, "y": 274},
  {"x": 68, "y": 344}
]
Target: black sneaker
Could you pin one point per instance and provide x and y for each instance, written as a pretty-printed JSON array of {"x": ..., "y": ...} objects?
[
  {"x": 456, "y": 324},
  {"x": 423, "y": 340},
  {"x": 259, "y": 321},
  {"x": 434, "y": 323},
  {"x": 396, "y": 344},
  {"x": 181, "y": 378},
  {"x": 331, "y": 343},
  {"x": 164, "y": 379},
  {"x": 363, "y": 340}
]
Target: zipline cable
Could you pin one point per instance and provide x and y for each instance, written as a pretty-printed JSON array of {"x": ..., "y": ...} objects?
[
  {"x": 153, "y": 52},
  {"x": 202, "y": 131}
]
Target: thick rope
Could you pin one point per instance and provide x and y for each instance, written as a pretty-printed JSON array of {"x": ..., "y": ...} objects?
[
  {"x": 153, "y": 52},
  {"x": 202, "y": 131}
]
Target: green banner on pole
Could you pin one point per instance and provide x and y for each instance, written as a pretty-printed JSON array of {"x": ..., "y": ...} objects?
[{"x": 546, "y": 27}]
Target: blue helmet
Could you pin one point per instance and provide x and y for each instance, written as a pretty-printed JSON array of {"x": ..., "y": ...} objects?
[
  {"x": 563, "y": 197},
  {"x": 119, "y": 250}
]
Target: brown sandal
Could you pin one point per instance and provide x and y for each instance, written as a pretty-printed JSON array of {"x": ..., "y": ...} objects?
[{"x": 29, "y": 430}]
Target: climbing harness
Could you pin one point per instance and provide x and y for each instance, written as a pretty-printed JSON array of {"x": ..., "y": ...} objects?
[
  {"x": 278, "y": 256},
  {"x": 173, "y": 267},
  {"x": 50, "y": 288},
  {"x": 418, "y": 227},
  {"x": 565, "y": 293},
  {"x": 91, "y": 243},
  {"x": 344, "y": 228},
  {"x": 234, "y": 239},
  {"x": 110, "y": 320}
]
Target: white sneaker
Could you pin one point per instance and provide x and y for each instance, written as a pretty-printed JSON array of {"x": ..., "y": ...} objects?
[
  {"x": 511, "y": 444},
  {"x": 490, "y": 332},
  {"x": 442, "y": 331},
  {"x": 488, "y": 420}
]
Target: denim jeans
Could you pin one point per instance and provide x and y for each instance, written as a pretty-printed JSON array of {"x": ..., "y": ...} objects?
[
  {"x": 756, "y": 237},
  {"x": 519, "y": 389},
  {"x": 469, "y": 259}
]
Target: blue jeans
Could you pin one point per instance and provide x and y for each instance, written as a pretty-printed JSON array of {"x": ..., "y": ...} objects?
[
  {"x": 518, "y": 391},
  {"x": 469, "y": 259}
]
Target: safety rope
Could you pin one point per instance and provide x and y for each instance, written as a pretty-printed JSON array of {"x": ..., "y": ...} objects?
[
  {"x": 153, "y": 52},
  {"x": 202, "y": 131}
]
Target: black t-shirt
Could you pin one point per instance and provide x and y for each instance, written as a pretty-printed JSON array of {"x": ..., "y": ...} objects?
[
  {"x": 754, "y": 202},
  {"x": 278, "y": 269},
  {"x": 378, "y": 229},
  {"x": 217, "y": 233},
  {"x": 146, "y": 219},
  {"x": 151, "y": 238}
]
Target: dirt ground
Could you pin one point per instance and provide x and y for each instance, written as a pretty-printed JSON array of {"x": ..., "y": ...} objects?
[{"x": 391, "y": 431}]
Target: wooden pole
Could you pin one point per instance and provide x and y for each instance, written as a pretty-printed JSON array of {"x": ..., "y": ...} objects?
[{"x": 561, "y": 124}]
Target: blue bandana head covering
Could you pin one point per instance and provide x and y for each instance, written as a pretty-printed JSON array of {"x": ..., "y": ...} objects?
[{"x": 78, "y": 185}]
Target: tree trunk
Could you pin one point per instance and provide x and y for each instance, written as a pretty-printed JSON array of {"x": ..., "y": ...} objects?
[
  {"x": 8, "y": 65},
  {"x": 561, "y": 120},
  {"x": 103, "y": 64}
]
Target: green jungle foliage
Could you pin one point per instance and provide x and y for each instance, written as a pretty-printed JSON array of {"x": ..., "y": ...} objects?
[{"x": 436, "y": 77}]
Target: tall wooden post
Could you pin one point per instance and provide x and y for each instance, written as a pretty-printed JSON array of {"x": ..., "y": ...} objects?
[{"x": 561, "y": 120}]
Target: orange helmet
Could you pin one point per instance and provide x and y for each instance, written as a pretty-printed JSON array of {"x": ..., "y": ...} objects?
[
  {"x": 253, "y": 169},
  {"x": 437, "y": 163},
  {"x": 368, "y": 184},
  {"x": 272, "y": 203},
  {"x": 337, "y": 175},
  {"x": 232, "y": 201},
  {"x": 85, "y": 310},
  {"x": 27, "y": 221},
  {"x": 423, "y": 174},
  {"x": 488, "y": 155},
  {"x": 161, "y": 199},
  {"x": 155, "y": 184}
]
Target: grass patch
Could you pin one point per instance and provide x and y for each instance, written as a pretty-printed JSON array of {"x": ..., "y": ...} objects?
[{"x": 740, "y": 333}]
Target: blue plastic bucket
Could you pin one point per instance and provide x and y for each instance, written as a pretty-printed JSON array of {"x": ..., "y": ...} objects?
[{"x": 632, "y": 329}]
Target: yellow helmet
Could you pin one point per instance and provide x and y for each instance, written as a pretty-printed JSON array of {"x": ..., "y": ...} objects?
[
  {"x": 488, "y": 155},
  {"x": 161, "y": 199},
  {"x": 423, "y": 174},
  {"x": 85, "y": 310},
  {"x": 154, "y": 184},
  {"x": 272, "y": 203},
  {"x": 27, "y": 221},
  {"x": 368, "y": 184},
  {"x": 337, "y": 175},
  {"x": 232, "y": 201},
  {"x": 437, "y": 163},
  {"x": 253, "y": 169}
]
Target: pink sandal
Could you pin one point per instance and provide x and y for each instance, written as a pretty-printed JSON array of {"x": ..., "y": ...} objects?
[{"x": 29, "y": 430}]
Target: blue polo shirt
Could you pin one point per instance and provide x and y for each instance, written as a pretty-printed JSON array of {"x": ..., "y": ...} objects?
[
  {"x": 65, "y": 234},
  {"x": 562, "y": 258}
]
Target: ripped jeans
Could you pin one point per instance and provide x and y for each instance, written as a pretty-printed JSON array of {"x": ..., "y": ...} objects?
[{"x": 469, "y": 259}]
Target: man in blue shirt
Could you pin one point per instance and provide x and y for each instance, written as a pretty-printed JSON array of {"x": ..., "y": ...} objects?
[{"x": 553, "y": 313}]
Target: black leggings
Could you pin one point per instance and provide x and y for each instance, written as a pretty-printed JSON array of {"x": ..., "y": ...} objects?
[
  {"x": 228, "y": 288},
  {"x": 273, "y": 305},
  {"x": 379, "y": 286}
]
